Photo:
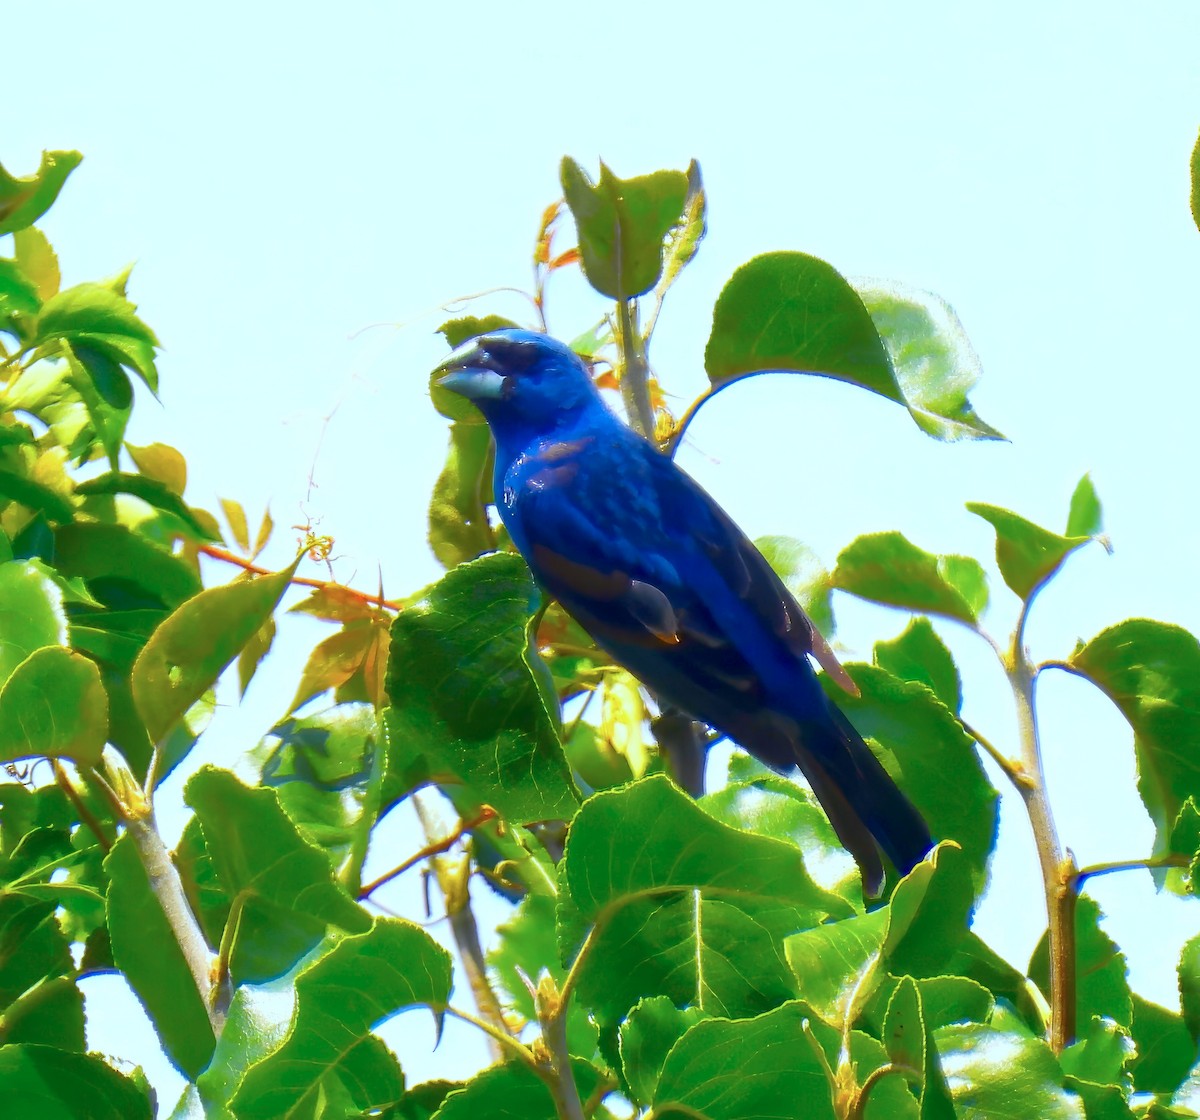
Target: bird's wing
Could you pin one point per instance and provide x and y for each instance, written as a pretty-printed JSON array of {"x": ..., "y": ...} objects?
[{"x": 648, "y": 561}]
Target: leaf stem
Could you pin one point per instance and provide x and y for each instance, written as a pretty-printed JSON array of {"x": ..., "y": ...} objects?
[
  {"x": 1012, "y": 771},
  {"x": 635, "y": 371},
  {"x": 486, "y": 814},
  {"x": 1147, "y": 863},
  {"x": 859, "y": 1108},
  {"x": 502, "y": 1037}
]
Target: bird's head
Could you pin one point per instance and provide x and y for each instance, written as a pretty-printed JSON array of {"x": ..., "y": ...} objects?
[{"x": 525, "y": 383}]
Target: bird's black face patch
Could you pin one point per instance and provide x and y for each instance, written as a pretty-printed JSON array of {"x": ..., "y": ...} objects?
[{"x": 504, "y": 355}]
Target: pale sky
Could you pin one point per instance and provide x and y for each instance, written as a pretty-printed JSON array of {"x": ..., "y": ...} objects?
[{"x": 285, "y": 177}]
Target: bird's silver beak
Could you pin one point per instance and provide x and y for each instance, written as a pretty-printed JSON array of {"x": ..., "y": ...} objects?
[{"x": 465, "y": 374}]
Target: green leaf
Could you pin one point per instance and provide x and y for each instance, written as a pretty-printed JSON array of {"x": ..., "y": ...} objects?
[
  {"x": 18, "y": 293},
  {"x": 23, "y": 201},
  {"x": 191, "y": 648},
  {"x": 1151, "y": 671},
  {"x": 458, "y": 521},
  {"x": 888, "y": 568},
  {"x": 285, "y": 887},
  {"x": 1026, "y": 554},
  {"x": 975, "y": 959},
  {"x": 1102, "y": 988},
  {"x": 362, "y": 981},
  {"x": 1085, "y": 516},
  {"x": 44, "y": 1083},
  {"x": 54, "y": 705},
  {"x": 804, "y": 576},
  {"x": 511, "y": 1091},
  {"x": 36, "y": 259},
  {"x": 106, "y": 393},
  {"x": 1189, "y": 985},
  {"x": 647, "y": 1035},
  {"x": 250, "y": 1033},
  {"x": 998, "y": 1074},
  {"x": 792, "y": 312},
  {"x": 31, "y": 614},
  {"x": 836, "y": 963},
  {"x": 103, "y": 328},
  {"x": 919, "y": 655},
  {"x": 622, "y": 225},
  {"x": 723, "y": 1070},
  {"x": 1101, "y": 1055},
  {"x": 839, "y": 964},
  {"x": 934, "y": 760},
  {"x": 123, "y": 562},
  {"x": 649, "y": 837},
  {"x": 699, "y": 952},
  {"x": 319, "y": 767},
  {"x": 38, "y": 1000},
  {"x": 151, "y": 491},
  {"x": 1165, "y": 1048},
  {"x": 470, "y": 701},
  {"x": 756, "y": 799},
  {"x": 909, "y": 1044},
  {"x": 1196, "y": 184},
  {"x": 19, "y": 488},
  {"x": 683, "y": 240},
  {"x": 934, "y": 361},
  {"x": 145, "y": 949}
]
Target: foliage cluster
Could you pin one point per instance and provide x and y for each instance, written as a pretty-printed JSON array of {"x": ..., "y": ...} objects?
[{"x": 710, "y": 957}]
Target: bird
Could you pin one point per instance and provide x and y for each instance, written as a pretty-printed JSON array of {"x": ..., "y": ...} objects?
[{"x": 669, "y": 587}]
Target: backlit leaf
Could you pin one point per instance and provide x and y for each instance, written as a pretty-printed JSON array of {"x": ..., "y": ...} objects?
[
  {"x": 54, "y": 705},
  {"x": 189, "y": 650},
  {"x": 23, "y": 201},
  {"x": 1151, "y": 671},
  {"x": 31, "y": 614},
  {"x": 934, "y": 361},
  {"x": 622, "y": 225},
  {"x": 458, "y": 522},
  {"x": 1026, "y": 554},
  {"x": 888, "y": 568},
  {"x": 920, "y": 655},
  {"x": 362, "y": 981}
]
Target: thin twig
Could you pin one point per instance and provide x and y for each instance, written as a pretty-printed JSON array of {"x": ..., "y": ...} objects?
[
  {"x": 223, "y": 554},
  {"x": 86, "y": 816},
  {"x": 486, "y": 814}
]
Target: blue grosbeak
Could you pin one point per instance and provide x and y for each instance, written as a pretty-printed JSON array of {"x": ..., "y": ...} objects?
[{"x": 661, "y": 578}]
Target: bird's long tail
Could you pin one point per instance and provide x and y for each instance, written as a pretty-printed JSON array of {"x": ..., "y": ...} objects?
[{"x": 866, "y": 808}]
